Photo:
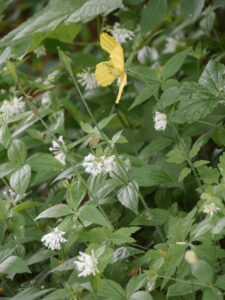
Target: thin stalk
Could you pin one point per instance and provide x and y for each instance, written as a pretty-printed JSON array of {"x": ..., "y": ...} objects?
[
  {"x": 104, "y": 137},
  {"x": 188, "y": 159},
  {"x": 184, "y": 281}
]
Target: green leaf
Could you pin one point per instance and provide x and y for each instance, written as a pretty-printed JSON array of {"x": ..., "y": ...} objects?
[
  {"x": 75, "y": 194},
  {"x": 196, "y": 102},
  {"x": 220, "y": 282},
  {"x": 93, "y": 8},
  {"x": 91, "y": 214},
  {"x": 29, "y": 34},
  {"x": 56, "y": 211},
  {"x": 155, "y": 217},
  {"x": 19, "y": 180},
  {"x": 212, "y": 294},
  {"x": 174, "y": 258},
  {"x": 6, "y": 169},
  {"x": 145, "y": 94},
  {"x": 39, "y": 256},
  {"x": 213, "y": 77},
  {"x": 111, "y": 290},
  {"x": 182, "y": 288},
  {"x": 150, "y": 176},
  {"x": 128, "y": 196},
  {"x": 64, "y": 32},
  {"x": 105, "y": 121},
  {"x": 209, "y": 175},
  {"x": 144, "y": 74},
  {"x": 202, "y": 271},
  {"x": 14, "y": 264},
  {"x": 17, "y": 151},
  {"x": 39, "y": 161},
  {"x": 176, "y": 155},
  {"x": 185, "y": 171},
  {"x": 65, "y": 60},
  {"x": 153, "y": 14},
  {"x": 57, "y": 295},
  {"x": 191, "y": 9},
  {"x": 140, "y": 295},
  {"x": 136, "y": 283},
  {"x": 123, "y": 235},
  {"x": 218, "y": 228},
  {"x": 200, "y": 163},
  {"x": 169, "y": 97},
  {"x": 5, "y": 136},
  {"x": 30, "y": 294},
  {"x": 174, "y": 64},
  {"x": 155, "y": 147}
]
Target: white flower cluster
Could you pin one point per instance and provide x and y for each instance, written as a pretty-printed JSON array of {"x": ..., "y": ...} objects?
[
  {"x": 86, "y": 264},
  {"x": 13, "y": 107},
  {"x": 97, "y": 165},
  {"x": 160, "y": 121},
  {"x": 40, "y": 51},
  {"x": 147, "y": 54},
  {"x": 87, "y": 79},
  {"x": 53, "y": 239},
  {"x": 56, "y": 149},
  {"x": 121, "y": 35},
  {"x": 50, "y": 78},
  {"x": 46, "y": 100},
  {"x": 210, "y": 209},
  {"x": 9, "y": 196}
]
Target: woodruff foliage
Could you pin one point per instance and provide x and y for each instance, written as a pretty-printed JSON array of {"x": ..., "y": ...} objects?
[{"x": 143, "y": 201}]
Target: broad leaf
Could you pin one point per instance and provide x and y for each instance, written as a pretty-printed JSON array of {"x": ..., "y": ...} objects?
[
  {"x": 128, "y": 196},
  {"x": 191, "y": 9},
  {"x": 150, "y": 176},
  {"x": 14, "y": 264},
  {"x": 55, "y": 211},
  {"x": 153, "y": 14},
  {"x": 19, "y": 180}
]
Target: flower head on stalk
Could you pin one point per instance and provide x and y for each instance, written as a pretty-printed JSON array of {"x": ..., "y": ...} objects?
[
  {"x": 87, "y": 79},
  {"x": 86, "y": 264},
  {"x": 53, "y": 239},
  {"x": 56, "y": 149}
]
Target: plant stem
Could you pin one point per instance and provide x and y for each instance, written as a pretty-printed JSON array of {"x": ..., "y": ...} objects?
[{"x": 188, "y": 159}]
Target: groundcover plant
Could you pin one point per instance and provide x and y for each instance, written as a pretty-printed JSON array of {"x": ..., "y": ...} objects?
[{"x": 112, "y": 162}]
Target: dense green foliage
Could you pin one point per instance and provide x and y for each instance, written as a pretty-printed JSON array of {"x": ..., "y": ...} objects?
[{"x": 142, "y": 197}]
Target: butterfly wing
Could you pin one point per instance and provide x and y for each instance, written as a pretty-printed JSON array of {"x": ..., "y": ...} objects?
[
  {"x": 104, "y": 74},
  {"x": 123, "y": 81},
  {"x": 110, "y": 45}
]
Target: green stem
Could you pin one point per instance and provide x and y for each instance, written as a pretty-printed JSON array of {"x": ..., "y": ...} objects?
[{"x": 188, "y": 159}]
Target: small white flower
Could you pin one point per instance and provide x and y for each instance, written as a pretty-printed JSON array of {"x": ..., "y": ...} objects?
[
  {"x": 210, "y": 209},
  {"x": 147, "y": 54},
  {"x": 171, "y": 45},
  {"x": 87, "y": 79},
  {"x": 53, "y": 239},
  {"x": 13, "y": 107},
  {"x": 9, "y": 196},
  {"x": 45, "y": 101},
  {"x": 56, "y": 149},
  {"x": 160, "y": 121},
  {"x": 121, "y": 35},
  {"x": 96, "y": 165},
  {"x": 120, "y": 254},
  {"x": 86, "y": 264},
  {"x": 40, "y": 51},
  {"x": 50, "y": 78}
]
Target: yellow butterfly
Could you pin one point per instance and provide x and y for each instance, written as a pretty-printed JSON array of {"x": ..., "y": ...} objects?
[{"x": 106, "y": 72}]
